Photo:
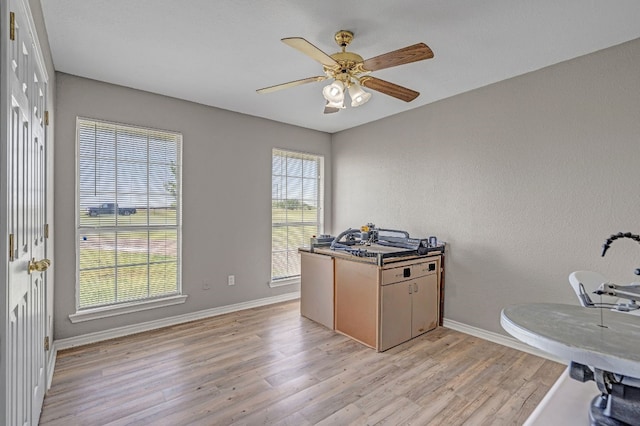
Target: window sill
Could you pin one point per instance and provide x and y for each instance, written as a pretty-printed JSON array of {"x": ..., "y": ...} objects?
[
  {"x": 285, "y": 281},
  {"x": 126, "y": 308}
]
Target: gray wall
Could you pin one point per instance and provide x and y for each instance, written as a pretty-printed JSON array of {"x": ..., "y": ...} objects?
[
  {"x": 524, "y": 179},
  {"x": 226, "y": 195}
]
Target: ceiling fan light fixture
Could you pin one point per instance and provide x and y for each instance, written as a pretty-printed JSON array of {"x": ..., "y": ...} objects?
[
  {"x": 330, "y": 108},
  {"x": 338, "y": 105},
  {"x": 334, "y": 92},
  {"x": 348, "y": 70},
  {"x": 358, "y": 95}
]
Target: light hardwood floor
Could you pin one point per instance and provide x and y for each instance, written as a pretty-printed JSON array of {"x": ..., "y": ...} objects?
[{"x": 269, "y": 365}]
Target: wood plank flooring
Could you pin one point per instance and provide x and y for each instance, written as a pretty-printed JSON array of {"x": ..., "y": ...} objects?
[{"x": 269, "y": 365}]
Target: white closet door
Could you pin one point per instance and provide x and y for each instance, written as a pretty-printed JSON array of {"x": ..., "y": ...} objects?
[{"x": 26, "y": 213}]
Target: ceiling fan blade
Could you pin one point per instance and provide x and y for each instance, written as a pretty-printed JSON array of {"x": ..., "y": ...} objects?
[
  {"x": 406, "y": 55},
  {"x": 292, "y": 84},
  {"x": 330, "y": 110},
  {"x": 310, "y": 50},
  {"x": 390, "y": 89}
]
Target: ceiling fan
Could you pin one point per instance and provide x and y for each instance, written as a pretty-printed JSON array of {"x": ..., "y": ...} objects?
[{"x": 350, "y": 72}]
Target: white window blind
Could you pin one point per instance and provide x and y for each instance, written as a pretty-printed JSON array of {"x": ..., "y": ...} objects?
[
  {"x": 297, "y": 190},
  {"x": 129, "y": 210}
]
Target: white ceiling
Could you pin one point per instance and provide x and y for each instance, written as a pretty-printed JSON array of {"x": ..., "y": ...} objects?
[{"x": 219, "y": 52}]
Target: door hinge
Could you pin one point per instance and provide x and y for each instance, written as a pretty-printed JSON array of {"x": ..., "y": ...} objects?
[
  {"x": 46, "y": 118},
  {"x": 46, "y": 230},
  {"x": 12, "y": 26},
  {"x": 12, "y": 248},
  {"x": 46, "y": 343}
]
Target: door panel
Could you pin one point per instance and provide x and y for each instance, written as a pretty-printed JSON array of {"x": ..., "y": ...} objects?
[
  {"x": 25, "y": 315},
  {"x": 395, "y": 314},
  {"x": 316, "y": 288},
  {"x": 356, "y": 300},
  {"x": 425, "y": 305}
]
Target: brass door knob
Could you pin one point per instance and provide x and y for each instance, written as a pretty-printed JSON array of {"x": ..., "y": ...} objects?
[{"x": 40, "y": 265}]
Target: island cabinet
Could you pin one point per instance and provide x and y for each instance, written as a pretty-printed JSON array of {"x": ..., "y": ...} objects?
[
  {"x": 382, "y": 307},
  {"x": 408, "y": 303},
  {"x": 316, "y": 288},
  {"x": 357, "y": 300}
]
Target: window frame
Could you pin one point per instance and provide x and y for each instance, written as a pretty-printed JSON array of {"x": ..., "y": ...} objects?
[
  {"x": 320, "y": 201},
  {"x": 135, "y": 305}
]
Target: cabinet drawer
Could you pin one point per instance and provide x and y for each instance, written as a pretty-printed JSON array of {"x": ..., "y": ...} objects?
[
  {"x": 424, "y": 268},
  {"x": 394, "y": 275}
]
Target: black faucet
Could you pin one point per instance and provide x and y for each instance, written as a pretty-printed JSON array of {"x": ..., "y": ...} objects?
[{"x": 614, "y": 237}]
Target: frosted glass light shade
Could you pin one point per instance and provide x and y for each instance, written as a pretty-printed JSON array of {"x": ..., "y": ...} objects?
[
  {"x": 334, "y": 92},
  {"x": 358, "y": 96},
  {"x": 339, "y": 105}
]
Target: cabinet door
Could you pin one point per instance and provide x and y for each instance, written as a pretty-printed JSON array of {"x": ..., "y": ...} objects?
[
  {"x": 356, "y": 300},
  {"x": 424, "y": 304},
  {"x": 316, "y": 288},
  {"x": 395, "y": 307}
]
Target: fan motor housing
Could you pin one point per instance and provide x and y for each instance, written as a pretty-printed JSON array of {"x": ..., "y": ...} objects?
[
  {"x": 343, "y": 38},
  {"x": 349, "y": 63}
]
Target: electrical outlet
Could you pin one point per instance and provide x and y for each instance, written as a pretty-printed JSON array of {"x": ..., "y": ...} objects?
[
  {"x": 206, "y": 285},
  {"x": 231, "y": 280}
]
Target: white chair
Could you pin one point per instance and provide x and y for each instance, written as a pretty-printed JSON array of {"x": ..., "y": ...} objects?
[{"x": 585, "y": 283}]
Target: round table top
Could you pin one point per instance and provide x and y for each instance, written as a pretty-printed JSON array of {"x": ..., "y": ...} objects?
[{"x": 575, "y": 333}]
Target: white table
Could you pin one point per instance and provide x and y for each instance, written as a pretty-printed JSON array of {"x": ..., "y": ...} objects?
[
  {"x": 577, "y": 334},
  {"x": 574, "y": 333}
]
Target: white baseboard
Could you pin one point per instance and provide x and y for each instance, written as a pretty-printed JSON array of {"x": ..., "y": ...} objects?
[
  {"x": 499, "y": 339},
  {"x": 51, "y": 363},
  {"x": 99, "y": 336}
]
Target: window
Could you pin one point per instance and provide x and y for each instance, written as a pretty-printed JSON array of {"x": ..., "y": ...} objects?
[
  {"x": 128, "y": 214},
  {"x": 296, "y": 208}
]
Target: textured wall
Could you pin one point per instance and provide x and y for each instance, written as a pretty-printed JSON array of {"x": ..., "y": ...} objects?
[
  {"x": 524, "y": 179},
  {"x": 226, "y": 195}
]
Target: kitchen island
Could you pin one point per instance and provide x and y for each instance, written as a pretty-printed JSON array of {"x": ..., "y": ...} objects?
[{"x": 379, "y": 304}]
